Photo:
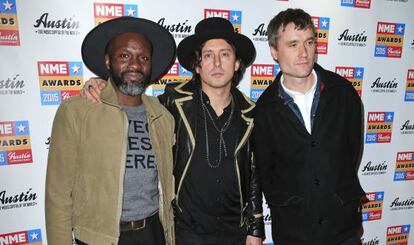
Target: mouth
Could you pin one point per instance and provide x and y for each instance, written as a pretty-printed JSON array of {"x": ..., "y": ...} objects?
[
  {"x": 133, "y": 76},
  {"x": 217, "y": 74}
]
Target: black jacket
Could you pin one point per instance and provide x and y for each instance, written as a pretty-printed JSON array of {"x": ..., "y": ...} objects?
[
  {"x": 178, "y": 98},
  {"x": 310, "y": 180}
]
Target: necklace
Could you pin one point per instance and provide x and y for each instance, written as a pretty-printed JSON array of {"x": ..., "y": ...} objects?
[{"x": 222, "y": 143}]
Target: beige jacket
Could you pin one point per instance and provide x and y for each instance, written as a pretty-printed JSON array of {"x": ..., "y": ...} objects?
[{"x": 86, "y": 165}]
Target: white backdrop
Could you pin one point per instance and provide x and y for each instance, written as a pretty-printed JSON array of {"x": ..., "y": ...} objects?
[{"x": 369, "y": 42}]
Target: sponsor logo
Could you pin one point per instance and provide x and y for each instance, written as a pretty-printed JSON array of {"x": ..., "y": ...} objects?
[
  {"x": 322, "y": 34},
  {"x": 381, "y": 86},
  {"x": 372, "y": 241},
  {"x": 12, "y": 86},
  {"x": 402, "y": 204},
  {"x": 398, "y": 234},
  {"x": 59, "y": 80},
  {"x": 47, "y": 25},
  {"x": 374, "y": 168},
  {"x": 379, "y": 127},
  {"x": 178, "y": 30},
  {"x": 372, "y": 210},
  {"x": 107, "y": 11},
  {"x": 409, "y": 88},
  {"x": 32, "y": 237},
  {"x": 404, "y": 166},
  {"x": 261, "y": 76},
  {"x": 348, "y": 38},
  {"x": 407, "y": 127},
  {"x": 353, "y": 74},
  {"x": 260, "y": 33},
  {"x": 15, "y": 146},
  {"x": 9, "y": 29},
  {"x": 176, "y": 74},
  {"x": 366, "y": 4},
  {"x": 389, "y": 40},
  {"x": 21, "y": 200},
  {"x": 234, "y": 16}
]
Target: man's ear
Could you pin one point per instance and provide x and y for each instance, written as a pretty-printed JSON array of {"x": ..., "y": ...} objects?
[
  {"x": 237, "y": 65},
  {"x": 273, "y": 52},
  {"x": 107, "y": 61}
]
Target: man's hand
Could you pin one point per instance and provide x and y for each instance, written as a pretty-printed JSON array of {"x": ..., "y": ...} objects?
[
  {"x": 252, "y": 240},
  {"x": 92, "y": 89}
]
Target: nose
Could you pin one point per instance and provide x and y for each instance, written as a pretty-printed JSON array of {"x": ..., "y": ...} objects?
[
  {"x": 134, "y": 63},
  {"x": 303, "y": 51},
  {"x": 217, "y": 60}
]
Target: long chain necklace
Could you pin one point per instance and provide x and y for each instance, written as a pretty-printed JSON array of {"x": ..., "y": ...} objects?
[{"x": 222, "y": 143}]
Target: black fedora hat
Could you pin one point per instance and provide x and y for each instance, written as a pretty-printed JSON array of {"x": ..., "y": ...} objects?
[
  {"x": 213, "y": 28},
  {"x": 95, "y": 42}
]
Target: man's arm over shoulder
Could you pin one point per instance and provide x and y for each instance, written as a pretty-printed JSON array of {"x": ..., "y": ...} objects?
[{"x": 60, "y": 177}]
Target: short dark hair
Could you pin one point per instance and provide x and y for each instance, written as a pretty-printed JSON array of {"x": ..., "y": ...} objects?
[
  {"x": 300, "y": 18},
  {"x": 196, "y": 60}
]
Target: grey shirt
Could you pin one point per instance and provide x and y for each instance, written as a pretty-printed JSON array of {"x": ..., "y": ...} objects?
[{"x": 140, "y": 198}]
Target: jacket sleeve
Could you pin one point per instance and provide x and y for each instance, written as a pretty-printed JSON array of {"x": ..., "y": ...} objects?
[
  {"x": 255, "y": 221},
  {"x": 356, "y": 129},
  {"x": 60, "y": 179}
]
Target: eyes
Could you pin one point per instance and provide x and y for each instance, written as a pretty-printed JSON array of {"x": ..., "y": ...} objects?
[
  {"x": 308, "y": 43},
  {"x": 209, "y": 55},
  {"x": 125, "y": 56}
]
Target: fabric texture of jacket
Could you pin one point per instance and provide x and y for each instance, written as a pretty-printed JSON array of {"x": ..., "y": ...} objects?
[
  {"x": 310, "y": 180},
  {"x": 178, "y": 98},
  {"x": 86, "y": 166}
]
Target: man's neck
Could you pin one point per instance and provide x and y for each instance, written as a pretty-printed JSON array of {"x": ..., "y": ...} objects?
[
  {"x": 301, "y": 85},
  {"x": 219, "y": 98},
  {"x": 124, "y": 99}
]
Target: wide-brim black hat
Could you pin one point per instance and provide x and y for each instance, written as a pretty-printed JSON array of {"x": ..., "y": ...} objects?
[
  {"x": 95, "y": 42},
  {"x": 213, "y": 28}
]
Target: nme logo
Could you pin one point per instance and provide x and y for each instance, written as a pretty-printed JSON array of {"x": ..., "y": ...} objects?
[
  {"x": 398, "y": 235},
  {"x": 409, "y": 88},
  {"x": 389, "y": 40},
  {"x": 234, "y": 16},
  {"x": 353, "y": 74},
  {"x": 15, "y": 147},
  {"x": 59, "y": 80},
  {"x": 404, "y": 166},
  {"x": 372, "y": 210},
  {"x": 261, "y": 76},
  {"x": 107, "y": 11},
  {"x": 9, "y": 30},
  {"x": 366, "y": 4},
  {"x": 379, "y": 127},
  {"x": 32, "y": 237},
  {"x": 177, "y": 73},
  {"x": 322, "y": 34}
]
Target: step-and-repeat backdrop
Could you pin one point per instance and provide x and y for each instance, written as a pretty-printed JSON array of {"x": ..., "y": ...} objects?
[{"x": 371, "y": 43}]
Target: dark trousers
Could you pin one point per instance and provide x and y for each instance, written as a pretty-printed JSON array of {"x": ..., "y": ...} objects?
[
  {"x": 151, "y": 234},
  {"x": 186, "y": 237}
]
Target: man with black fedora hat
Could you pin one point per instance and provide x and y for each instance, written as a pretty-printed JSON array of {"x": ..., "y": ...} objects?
[
  {"x": 218, "y": 198},
  {"x": 109, "y": 174}
]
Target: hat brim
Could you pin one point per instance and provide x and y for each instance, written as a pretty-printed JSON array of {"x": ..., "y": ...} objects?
[
  {"x": 95, "y": 42},
  {"x": 243, "y": 44}
]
